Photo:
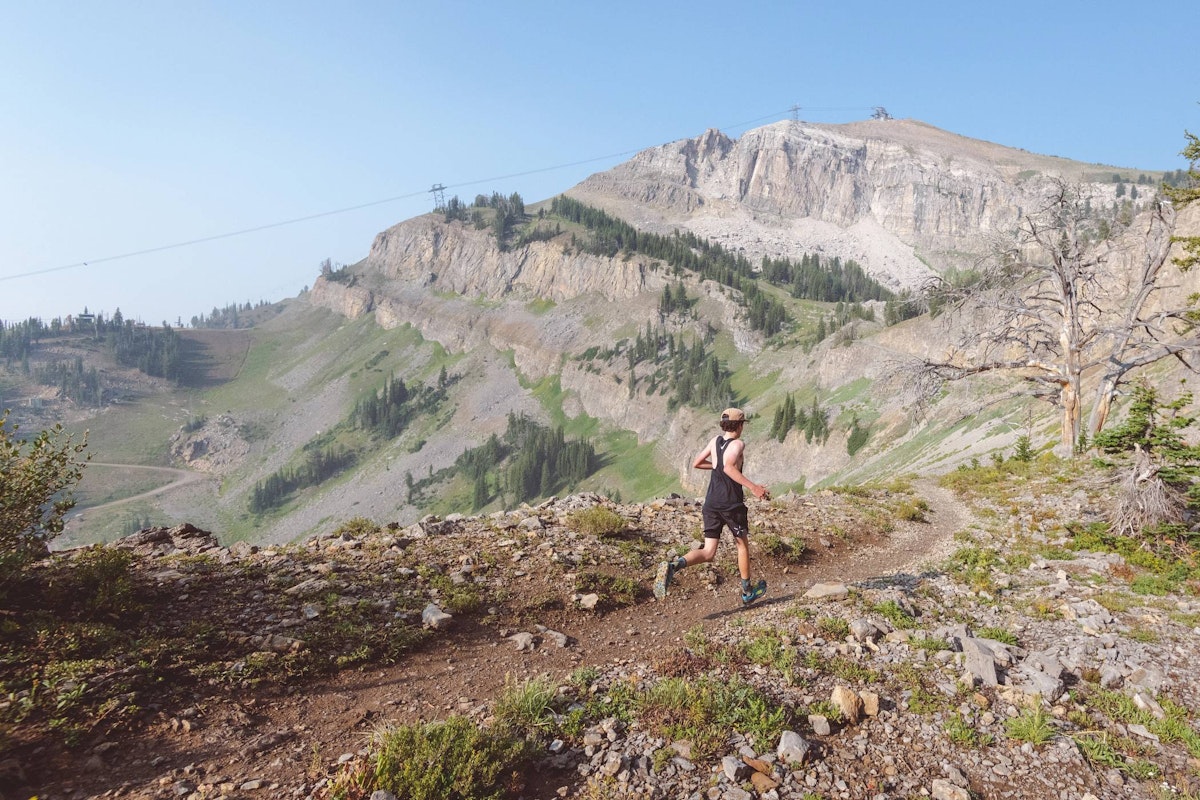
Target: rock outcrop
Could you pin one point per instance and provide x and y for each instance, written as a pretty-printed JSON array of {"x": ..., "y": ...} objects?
[{"x": 893, "y": 195}]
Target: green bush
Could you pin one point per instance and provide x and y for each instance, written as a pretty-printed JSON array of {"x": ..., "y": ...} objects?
[
  {"x": 526, "y": 708},
  {"x": 614, "y": 591},
  {"x": 896, "y": 614},
  {"x": 597, "y": 521},
  {"x": 98, "y": 583},
  {"x": 451, "y": 760},
  {"x": 1023, "y": 451},
  {"x": 357, "y": 527},
  {"x": 36, "y": 481},
  {"x": 834, "y": 628},
  {"x": 997, "y": 634},
  {"x": 706, "y": 710},
  {"x": 1031, "y": 726},
  {"x": 791, "y": 548}
]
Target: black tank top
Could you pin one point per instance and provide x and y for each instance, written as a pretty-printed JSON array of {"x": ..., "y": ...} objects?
[{"x": 723, "y": 491}]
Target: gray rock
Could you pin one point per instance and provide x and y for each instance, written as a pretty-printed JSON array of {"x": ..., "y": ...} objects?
[
  {"x": 864, "y": 630},
  {"x": 1048, "y": 686},
  {"x": 1111, "y": 676},
  {"x": 309, "y": 587},
  {"x": 956, "y": 776},
  {"x": 433, "y": 617},
  {"x": 1146, "y": 702},
  {"x": 792, "y": 748},
  {"x": 522, "y": 641},
  {"x": 945, "y": 790},
  {"x": 980, "y": 660},
  {"x": 559, "y": 639},
  {"x": 1148, "y": 678},
  {"x": 828, "y": 591},
  {"x": 734, "y": 768}
]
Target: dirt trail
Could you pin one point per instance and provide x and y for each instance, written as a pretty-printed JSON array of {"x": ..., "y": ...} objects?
[
  {"x": 280, "y": 736},
  {"x": 182, "y": 477},
  {"x": 469, "y": 667}
]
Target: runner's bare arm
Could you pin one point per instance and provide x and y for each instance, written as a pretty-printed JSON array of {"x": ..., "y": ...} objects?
[
  {"x": 733, "y": 468},
  {"x": 704, "y": 459}
]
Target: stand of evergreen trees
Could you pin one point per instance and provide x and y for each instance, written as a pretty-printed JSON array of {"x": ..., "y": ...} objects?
[
  {"x": 18, "y": 338},
  {"x": 529, "y": 462},
  {"x": 689, "y": 373},
  {"x": 901, "y": 307},
  {"x": 383, "y": 413},
  {"x": 319, "y": 466},
  {"x": 234, "y": 316},
  {"x": 813, "y": 421},
  {"x": 73, "y": 381},
  {"x": 507, "y": 212},
  {"x": 827, "y": 280},
  {"x": 857, "y": 437},
  {"x": 153, "y": 351},
  {"x": 810, "y": 278}
]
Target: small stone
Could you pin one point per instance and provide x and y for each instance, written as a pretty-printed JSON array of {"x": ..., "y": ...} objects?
[
  {"x": 828, "y": 591},
  {"x": 945, "y": 790},
  {"x": 734, "y": 769},
  {"x": 848, "y": 703},
  {"x": 433, "y": 617},
  {"x": 792, "y": 748},
  {"x": 763, "y": 783},
  {"x": 522, "y": 641}
]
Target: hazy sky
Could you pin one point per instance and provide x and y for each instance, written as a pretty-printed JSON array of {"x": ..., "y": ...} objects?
[{"x": 126, "y": 126}]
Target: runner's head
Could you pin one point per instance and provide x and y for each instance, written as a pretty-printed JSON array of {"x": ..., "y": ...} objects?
[{"x": 732, "y": 419}]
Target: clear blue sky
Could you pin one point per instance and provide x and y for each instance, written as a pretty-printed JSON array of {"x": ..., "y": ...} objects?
[{"x": 128, "y": 126}]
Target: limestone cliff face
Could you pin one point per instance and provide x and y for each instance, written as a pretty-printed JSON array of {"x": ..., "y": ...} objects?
[
  {"x": 455, "y": 257},
  {"x": 898, "y": 196}
]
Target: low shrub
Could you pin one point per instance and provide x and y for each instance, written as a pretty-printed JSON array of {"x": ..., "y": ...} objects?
[
  {"x": 451, "y": 760},
  {"x": 597, "y": 521},
  {"x": 1031, "y": 726},
  {"x": 526, "y": 708},
  {"x": 790, "y": 548}
]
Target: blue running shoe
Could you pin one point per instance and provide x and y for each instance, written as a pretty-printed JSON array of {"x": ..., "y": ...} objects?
[{"x": 756, "y": 591}]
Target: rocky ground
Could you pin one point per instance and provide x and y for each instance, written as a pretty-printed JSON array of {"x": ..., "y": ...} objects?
[{"x": 919, "y": 645}]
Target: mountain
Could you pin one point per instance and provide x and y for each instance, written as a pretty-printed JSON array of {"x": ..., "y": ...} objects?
[
  {"x": 553, "y": 321},
  {"x": 898, "y": 196}
]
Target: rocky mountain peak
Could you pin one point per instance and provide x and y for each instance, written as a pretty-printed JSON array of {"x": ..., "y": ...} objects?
[{"x": 898, "y": 196}]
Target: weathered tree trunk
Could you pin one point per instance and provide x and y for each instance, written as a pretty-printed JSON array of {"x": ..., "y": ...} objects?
[
  {"x": 1105, "y": 393},
  {"x": 1069, "y": 397}
]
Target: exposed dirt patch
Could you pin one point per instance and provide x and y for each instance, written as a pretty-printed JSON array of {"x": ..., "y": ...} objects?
[{"x": 212, "y": 357}]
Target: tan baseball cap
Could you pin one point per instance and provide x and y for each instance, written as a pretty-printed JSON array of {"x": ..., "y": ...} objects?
[{"x": 733, "y": 415}]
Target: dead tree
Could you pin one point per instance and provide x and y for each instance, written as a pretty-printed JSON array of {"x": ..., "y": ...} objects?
[{"x": 1052, "y": 308}]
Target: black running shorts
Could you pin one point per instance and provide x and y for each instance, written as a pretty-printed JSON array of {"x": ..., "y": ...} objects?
[{"x": 716, "y": 518}]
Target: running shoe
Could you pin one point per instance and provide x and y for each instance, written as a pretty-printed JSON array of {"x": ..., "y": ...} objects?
[{"x": 756, "y": 591}]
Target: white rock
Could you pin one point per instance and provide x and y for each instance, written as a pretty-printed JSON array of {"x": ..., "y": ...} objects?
[{"x": 434, "y": 617}]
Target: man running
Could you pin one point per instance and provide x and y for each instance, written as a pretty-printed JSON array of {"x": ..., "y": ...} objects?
[{"x": 724, "y": 505}]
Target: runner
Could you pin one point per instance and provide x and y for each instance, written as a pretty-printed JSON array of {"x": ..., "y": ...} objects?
[{"x": 724, "y": 505}]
